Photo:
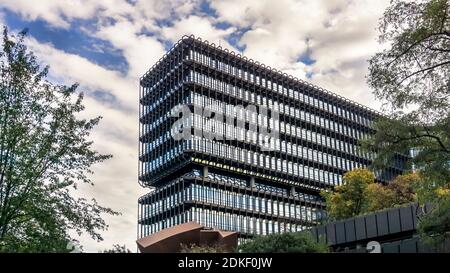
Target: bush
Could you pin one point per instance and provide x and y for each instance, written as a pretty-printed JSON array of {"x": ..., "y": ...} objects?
[
  {"x": 193, "y": 248},
  {"x": 434, "y": 227},
  {"x": 295, "y": 242}
]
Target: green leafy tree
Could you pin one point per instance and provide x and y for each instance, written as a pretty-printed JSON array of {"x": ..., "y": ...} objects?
[
  {"x": 414, "y": 69},
  {"x": 44, "y": 153},
  {"x": 411, "y": 77},
  {"x": 117, "y": 249},
  {"x": 290, "y": 242},
  {"x": 434, "y": 227}
]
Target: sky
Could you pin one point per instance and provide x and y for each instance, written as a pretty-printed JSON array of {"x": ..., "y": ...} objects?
[{"x": 107, "y": 45}]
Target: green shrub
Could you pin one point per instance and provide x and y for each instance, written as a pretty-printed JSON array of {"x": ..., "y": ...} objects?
[{"x": 294, "y": 242}]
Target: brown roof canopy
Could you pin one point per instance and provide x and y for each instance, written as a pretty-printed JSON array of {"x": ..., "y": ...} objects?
[{"x": 169, "y": 240}]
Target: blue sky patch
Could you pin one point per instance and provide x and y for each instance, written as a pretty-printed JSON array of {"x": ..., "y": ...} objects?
[
  {"x": 306, "y": 59},
  {"x": 72, "y": 40}
]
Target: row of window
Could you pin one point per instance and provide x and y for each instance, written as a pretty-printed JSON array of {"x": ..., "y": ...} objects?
[
  {"x": 253, "y": 203},
  {"x": 147, "y": 108},
  {"x": 269, "y": 188},
  {"x": 241, "y": 223},
  {"x": 155, "y": 83},
  {"x": 148, "y": 229},
  {"x": 223, "y": 197},
  {"x": 266, "y": 161},
  {"x": 229, "y": 131},
  {"x": 149, "y": 126},
  {"x": 278, "y": 88},
  {"x": 226, "y": 179},
  {"x": 287, "y": 148},
  {"x": 162, "y": 160},
  {"x": 285, "y": 109},
  {"x": 226, "y": 198},
  {"x": 260, "y": 160},
  {"x": 243, "y": 183},
  {"x": 224, "y": 221},
  {"x": 151, "y": 146}
]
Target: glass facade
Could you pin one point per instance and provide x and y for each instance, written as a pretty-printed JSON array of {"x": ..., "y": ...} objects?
[
  {"x": 227, "y": 203},
  {"x": 232, "y": 182}
]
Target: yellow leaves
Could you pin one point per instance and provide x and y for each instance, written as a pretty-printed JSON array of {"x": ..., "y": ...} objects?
[
  {"x": 360, "y": 194},
  {"x": 379, "y": 197},
  {"x": 442, "y": 192},
  {"x": 349, "y": 203},
  {"x": 361, "y": 174},
  {"x": 345, "y": 201}
]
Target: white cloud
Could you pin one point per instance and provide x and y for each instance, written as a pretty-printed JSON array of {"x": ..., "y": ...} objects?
[
  {"x": 139, "y": 50},
  {"x": 91, "y": 76},
  {"x": 200, "y": 27},
  {"x": 163, "y": 9},
  {"x": 339, "y": 35},
  {"x": 57, "y": 13}
]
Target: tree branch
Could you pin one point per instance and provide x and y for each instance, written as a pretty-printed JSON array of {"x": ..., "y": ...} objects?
[
  {"x": 413, "y": 45},
  {"x": 417, "y": 136},
  {"x": 436, "y": 138},
  {"x": 421, "y": 71}
]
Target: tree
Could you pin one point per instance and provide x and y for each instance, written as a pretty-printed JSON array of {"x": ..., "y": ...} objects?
[
  {"x": 435, "y": 226},
  {"x": 44, "y": 154},
  {"x": 349, "y": 199},
  {"x": 397, "y": 192},
  {"x": 117, "y": 249},
  {"x": 378, "y": 197},
  {"x": 414, "y": 69},
  {"x": 411, "y": 77},
  {"x": 290, "y": 242},
  {"x": 402, "y": 187},
  {"x": 359, "y": 194}
]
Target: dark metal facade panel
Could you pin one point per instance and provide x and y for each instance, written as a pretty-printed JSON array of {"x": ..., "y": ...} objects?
[
  {"x": 331, "y": 233},
  {"x": 382, "y": 223},
  {"x": 359, "y": 231},
  {"x": 394, "y": 220},
  {"x": 321, "y": 233},
  {"x": 407, "y": 215},
  {"x": 409, "y": 246},
  {"x": 371, "y": 226},
  {"x": 340, "y": 233},
  {"x": 315, "y": 234},
  {"x": 360, "y": 228},
  {"x": 391, "y": 247},
  {"x": 350, "y": 230}
]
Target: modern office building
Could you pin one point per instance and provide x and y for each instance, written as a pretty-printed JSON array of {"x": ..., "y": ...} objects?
[{"x": 257, "y": 171}]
